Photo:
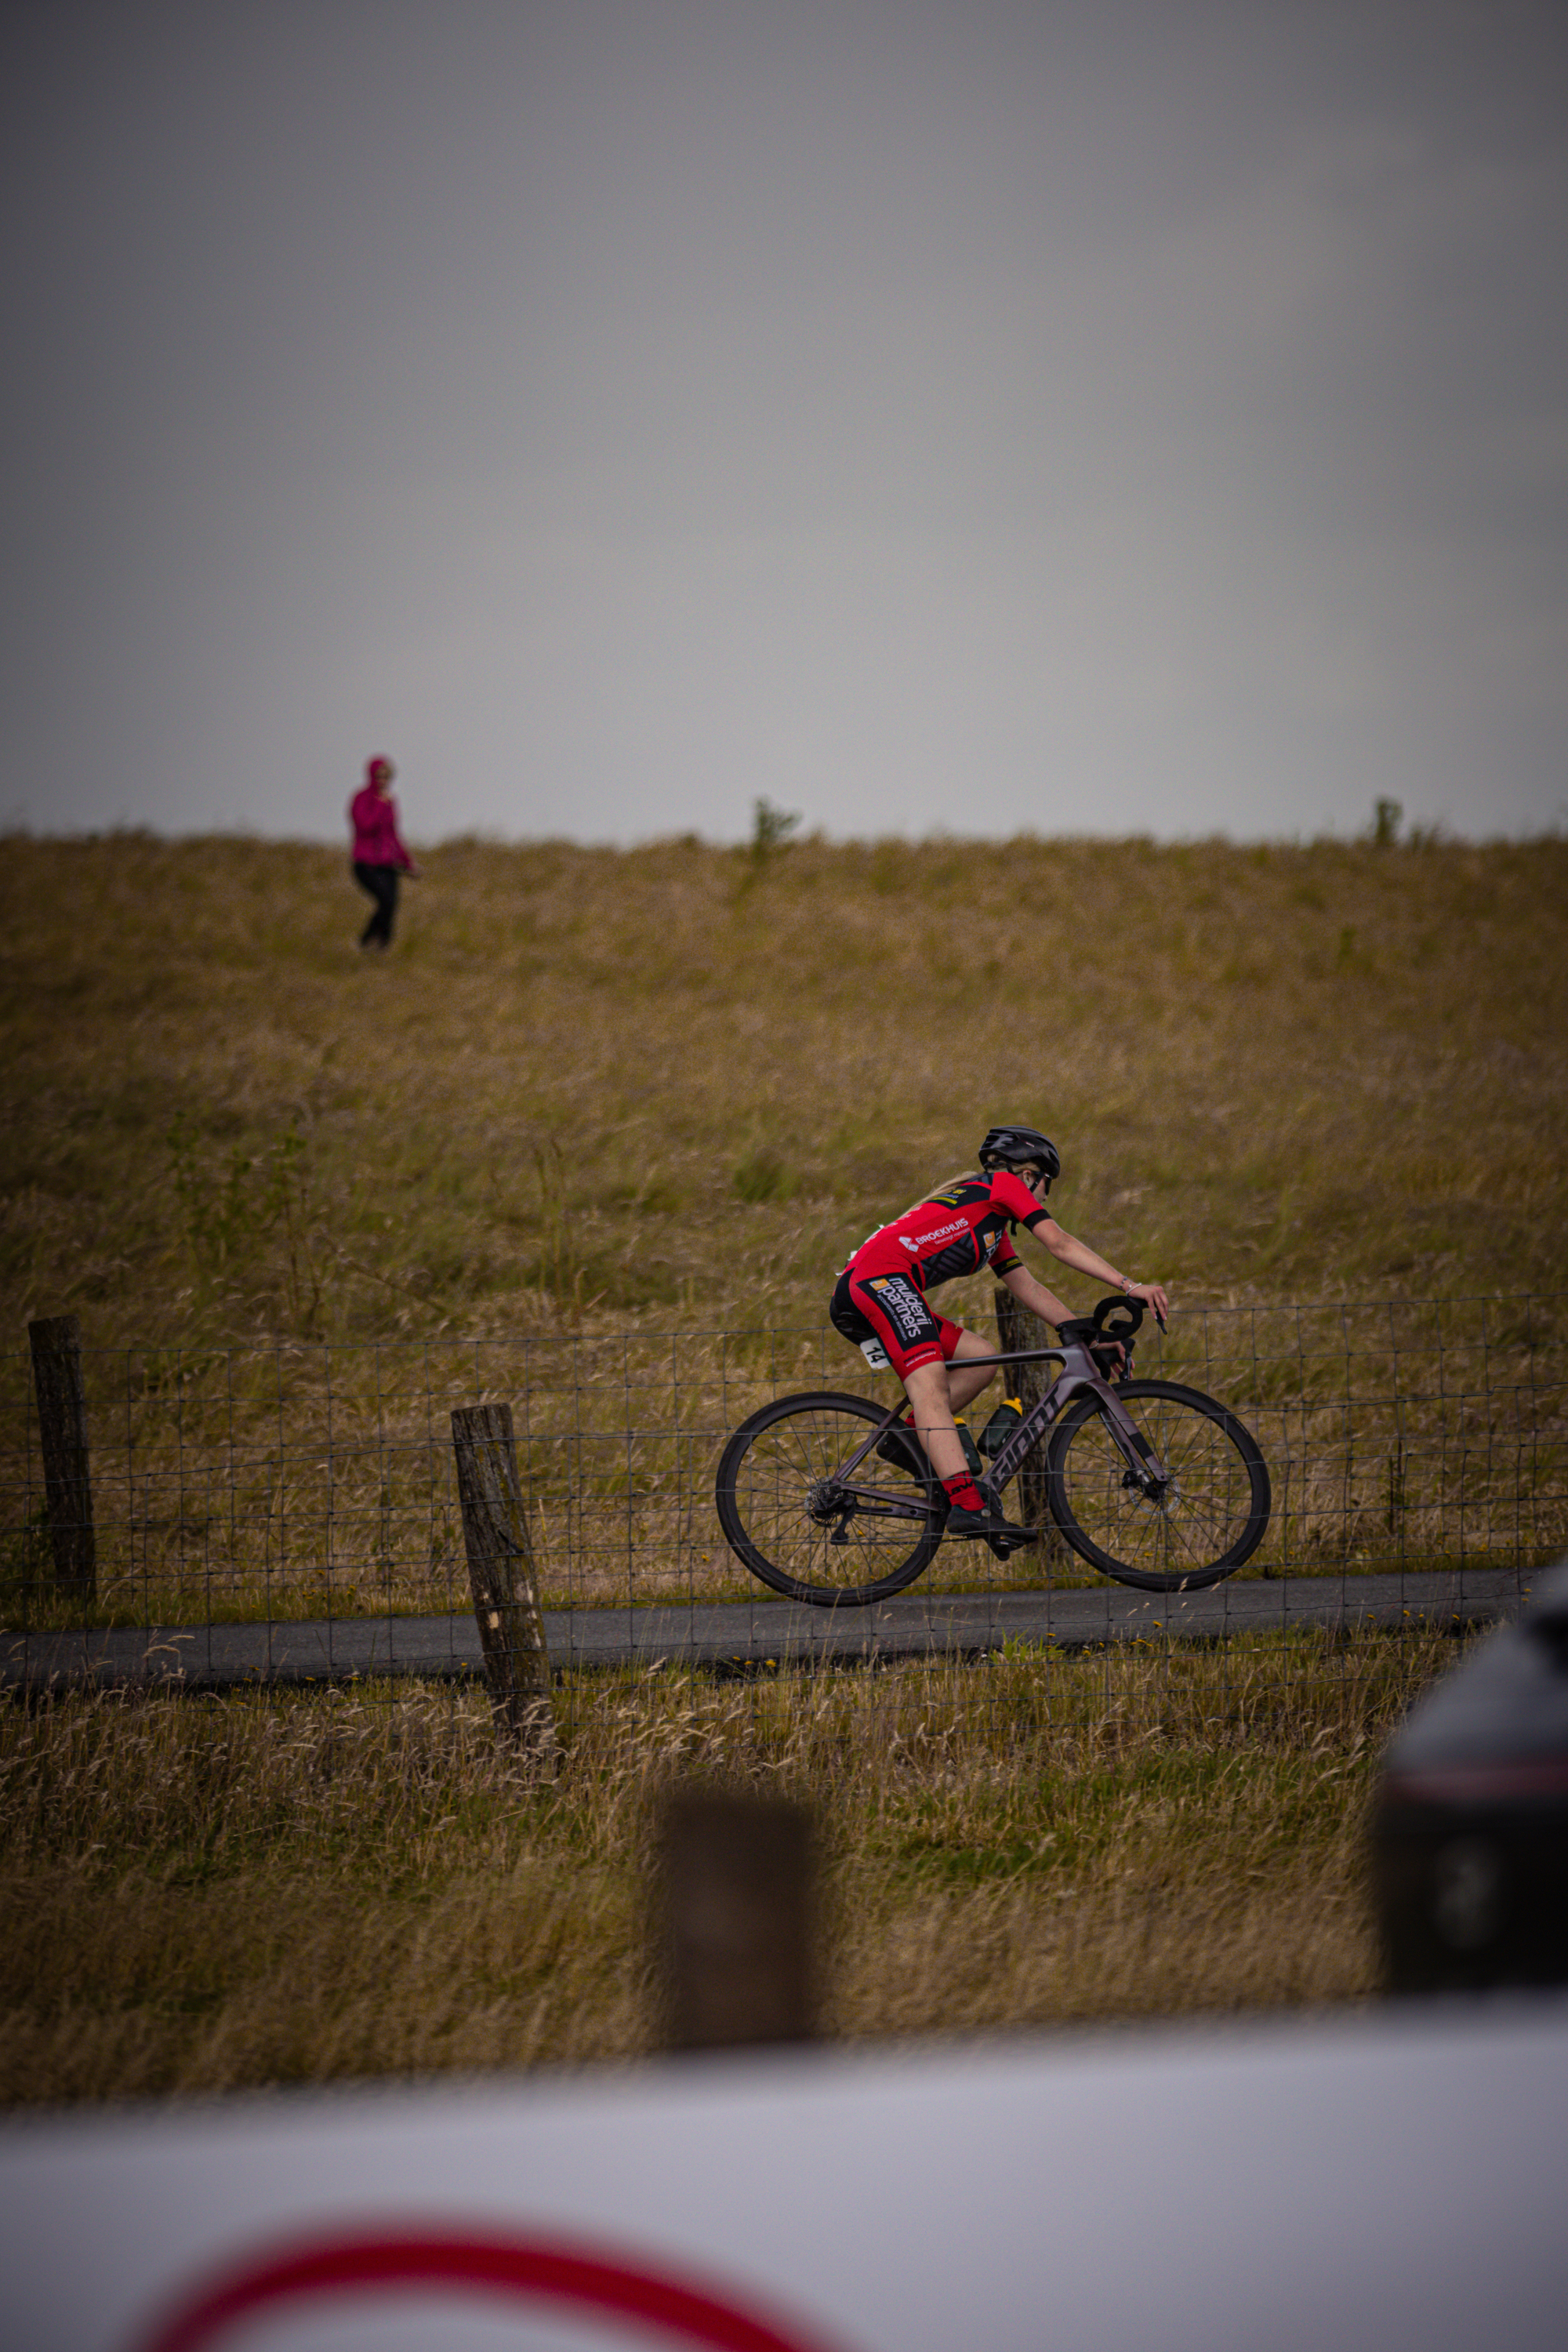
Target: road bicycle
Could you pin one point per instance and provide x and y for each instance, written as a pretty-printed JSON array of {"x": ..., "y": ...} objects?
[{"x": 830, "y": 1498}]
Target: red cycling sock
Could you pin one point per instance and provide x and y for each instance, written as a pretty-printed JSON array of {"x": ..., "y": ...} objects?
[{"x": 963, "y": 1493}]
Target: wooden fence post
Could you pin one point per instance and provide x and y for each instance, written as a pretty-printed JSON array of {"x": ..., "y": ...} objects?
[
  {"x": 1018, "y": 1327},
  {"x": 62, "y": 1438},
  {"x": 735, "y": 1924},
  {"x": 501, "y": 1570}
]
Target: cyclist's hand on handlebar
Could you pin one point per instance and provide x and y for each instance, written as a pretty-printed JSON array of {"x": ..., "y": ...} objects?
[{"x": 1153, "y": 1293}]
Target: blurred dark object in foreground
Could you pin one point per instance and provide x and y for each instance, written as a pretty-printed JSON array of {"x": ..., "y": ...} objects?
[
  {"x": 1470, "y": 1824},
  {"x": 735, "y": 1926}
]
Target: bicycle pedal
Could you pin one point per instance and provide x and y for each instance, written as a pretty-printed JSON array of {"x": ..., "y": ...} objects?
[{"x": 973, "y": 1524}]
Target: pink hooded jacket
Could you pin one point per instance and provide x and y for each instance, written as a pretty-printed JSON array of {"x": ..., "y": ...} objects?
[{"x": 375, "y": 822}]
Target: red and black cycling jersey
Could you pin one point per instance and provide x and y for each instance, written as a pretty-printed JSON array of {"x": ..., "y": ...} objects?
[{"x": 964, "y": 1227}]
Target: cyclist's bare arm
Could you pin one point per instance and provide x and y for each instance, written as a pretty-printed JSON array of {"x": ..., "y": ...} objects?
[
  {"x": 1034, "y": 1295},
  {"x": 1074, "y": 1253}
]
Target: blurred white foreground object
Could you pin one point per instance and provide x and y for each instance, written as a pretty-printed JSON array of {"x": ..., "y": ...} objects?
[{"x": 1387, "y": 2179}]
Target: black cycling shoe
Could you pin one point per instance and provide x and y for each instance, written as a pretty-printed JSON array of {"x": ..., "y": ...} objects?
[
  {"x": 1001, "y": 1534},
  {"x": 903, "y": 1448}
]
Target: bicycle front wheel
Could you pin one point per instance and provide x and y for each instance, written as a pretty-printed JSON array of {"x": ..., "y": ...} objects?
[
  {"x": 1210, "y": 1518},
  {"x": 798, "y": 1524}
]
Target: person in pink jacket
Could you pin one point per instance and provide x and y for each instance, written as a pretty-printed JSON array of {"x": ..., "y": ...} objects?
[{"x": 379, "y": 855}]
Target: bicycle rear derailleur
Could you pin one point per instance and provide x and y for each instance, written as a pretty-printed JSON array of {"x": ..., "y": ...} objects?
[{"x": 828, "y": 1501}]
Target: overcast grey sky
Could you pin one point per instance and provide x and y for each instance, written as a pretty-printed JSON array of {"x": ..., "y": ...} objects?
[{"x": 981, "y": 417}]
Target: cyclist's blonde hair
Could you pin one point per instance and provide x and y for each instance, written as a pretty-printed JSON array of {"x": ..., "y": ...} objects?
[{"x": 973, "y": 1176}]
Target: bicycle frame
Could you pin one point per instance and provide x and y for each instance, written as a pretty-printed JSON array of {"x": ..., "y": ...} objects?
[{"x": 1079, "y": 1372}]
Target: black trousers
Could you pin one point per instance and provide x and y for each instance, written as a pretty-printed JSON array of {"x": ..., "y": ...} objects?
[{"x": 381, "y": 881}]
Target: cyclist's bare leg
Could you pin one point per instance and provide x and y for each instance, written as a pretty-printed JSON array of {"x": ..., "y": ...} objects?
[
  {"x": 964, "y": 1382},
  {"x": 936, "y": 1392}
]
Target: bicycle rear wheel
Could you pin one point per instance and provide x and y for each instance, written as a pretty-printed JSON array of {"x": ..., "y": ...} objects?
[
  {"x": 1209, "y": 1520},
  {"x": 786, "y": 1514}
]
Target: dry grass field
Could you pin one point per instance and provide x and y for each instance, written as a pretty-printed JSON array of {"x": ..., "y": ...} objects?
[
  {"x": 596, "y": 1099},
  {"x": 663, "y": 1091},
  {"x": 203, "y": 1897},
  {"x": 671, "y": 1086}
]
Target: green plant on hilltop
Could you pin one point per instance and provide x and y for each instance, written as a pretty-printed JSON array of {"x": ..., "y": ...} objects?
[
  {"x": 771, "y": 828},
  {"x": 1386, "y": 815}
]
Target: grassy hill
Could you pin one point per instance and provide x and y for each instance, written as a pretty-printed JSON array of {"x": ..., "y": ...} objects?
[{"x": 671, "y": 1086}]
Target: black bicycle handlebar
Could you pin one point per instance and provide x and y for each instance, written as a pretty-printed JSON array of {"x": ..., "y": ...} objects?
[
  {"x": 1123, "y": 1302},
  {"x": 1115, "y": 1318},
  {"x": 1107, "y": 1325}
]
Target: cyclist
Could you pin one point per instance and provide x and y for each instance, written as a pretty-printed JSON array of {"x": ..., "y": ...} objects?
[{"x": 880, "y": 1304}]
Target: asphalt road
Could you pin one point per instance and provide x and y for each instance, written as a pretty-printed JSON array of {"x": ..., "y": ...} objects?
[{"x": 739, "y": 1634}]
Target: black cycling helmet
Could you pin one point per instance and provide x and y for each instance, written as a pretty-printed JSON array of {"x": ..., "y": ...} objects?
[{"x": 1014, "y": 1147}]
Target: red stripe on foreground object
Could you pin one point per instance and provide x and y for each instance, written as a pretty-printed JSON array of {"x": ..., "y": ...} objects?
[{"x": 513, "y": 2270}]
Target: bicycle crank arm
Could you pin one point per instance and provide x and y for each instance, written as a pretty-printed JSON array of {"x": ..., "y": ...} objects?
[
  {"x": 853, "y": 1510},
  {"x": 869, "y": 1503}
]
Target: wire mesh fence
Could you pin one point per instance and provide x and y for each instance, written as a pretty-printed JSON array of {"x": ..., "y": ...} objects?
[{"x": 289, "y": 1511}]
